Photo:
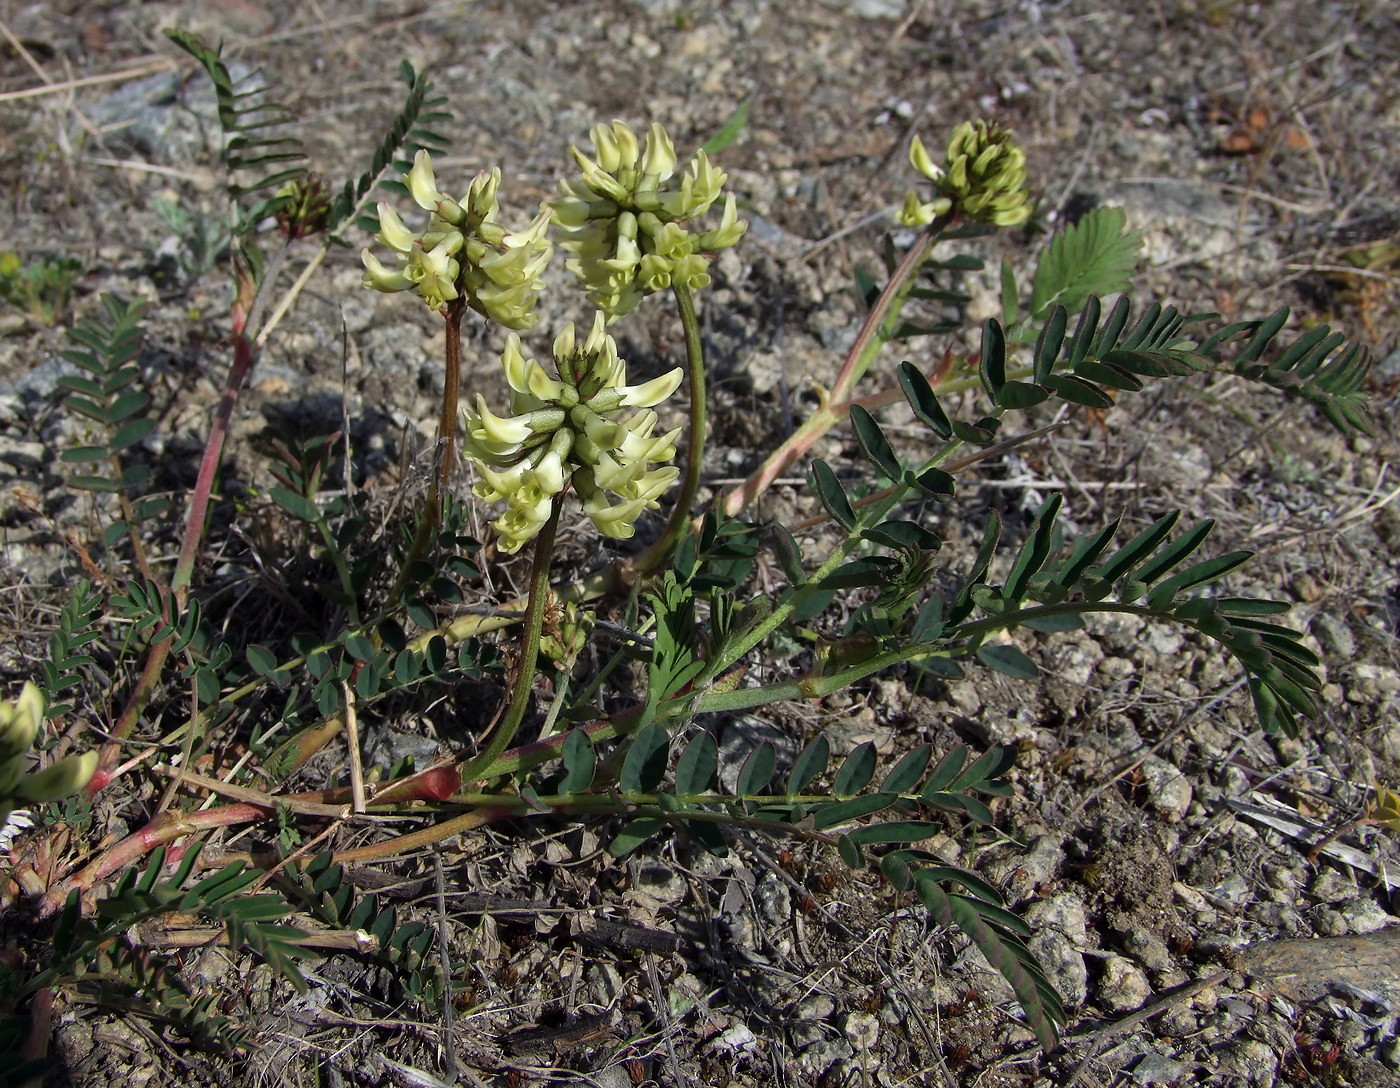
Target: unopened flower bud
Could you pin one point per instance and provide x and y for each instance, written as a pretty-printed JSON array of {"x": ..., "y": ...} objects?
[{"x": 983, "y": 178}]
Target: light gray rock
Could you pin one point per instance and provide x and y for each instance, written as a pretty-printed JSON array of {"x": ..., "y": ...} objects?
[
  {"x": 1063, "y": 911},
  {"x": 735, "y": 1038},
  {"x": 1168, "y": 790},
  {"x": 1019, "y": 874},
  {"x": 1253, "y": 1061},
  {"x": 1363, "y": 914},
  {"x": 1148, "y": 949},
  {"x": 1155, "y": 1068},
  {"x": 1334, "y": 636},
  {"x": 1332, "y": 886},
  {"x": 1123, "y": 987},
  {"x": 823, "y": 1054},
  {"x": 1064, "y": 965},
  {"x": 862, "y": 1030},
  {"x": 874, "y": 9}
]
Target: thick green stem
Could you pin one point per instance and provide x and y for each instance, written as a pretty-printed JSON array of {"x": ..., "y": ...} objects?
[
  {"x": 509, "y": 725},
  {"x": 877, "y": 327},
  {"x": 879, "y": 323},
  {"x": 676, "y": 524}
]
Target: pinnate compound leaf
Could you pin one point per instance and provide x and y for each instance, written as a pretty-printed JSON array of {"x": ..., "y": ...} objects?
[
  {"x": 1042, "y": 1005},
  {"x": 1095, "y": 256}
]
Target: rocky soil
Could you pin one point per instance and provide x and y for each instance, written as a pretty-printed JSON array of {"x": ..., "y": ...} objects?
[{"x": 1164, "y": 850}]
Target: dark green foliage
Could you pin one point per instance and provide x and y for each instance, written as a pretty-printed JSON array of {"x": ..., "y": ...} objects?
[
  {"x": 1319, "y": 367},
  {"x": 255, "y": 144},
  {"x": 154, "y": 617},
  {"x": 110, "y": 394},
  {"x": 952, "y": 896},
  {"x": 832, "y": 495},
  {"x": 103, "y": 952},
  {"x": 76, "y": 630},
  {"x": 413, "y": 129},
  {"x": 323, "y": 890}
]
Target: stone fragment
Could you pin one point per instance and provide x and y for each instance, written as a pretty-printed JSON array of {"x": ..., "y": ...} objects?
[
  {"x": 1155, "y": 1068},
  {"x": 1168, "y": 790},
  {"x": 1123, "y": 987},
  {"x": 1363, "y": 914},
  {"x": 1064, "y": 965}
]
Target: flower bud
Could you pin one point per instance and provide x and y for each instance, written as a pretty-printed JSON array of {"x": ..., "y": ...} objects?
[
  {"x": 572, "y": 429},
  {"x": 58, "y": 780},
  {"x": 983, "y": 178},
  {"x": 623, "y": 217},
  {"x": 392, "y": 232},
  {"x": 422, "y": 185},
  {"x": 659, "y": 159},
  {"x": 19, "y": 721},
  {"x": 19, "y": 726},
  {"x": 464, "y": 252}
]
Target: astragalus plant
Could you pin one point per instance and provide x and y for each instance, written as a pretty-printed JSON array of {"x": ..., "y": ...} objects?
[{"x": 225, "y": 722}]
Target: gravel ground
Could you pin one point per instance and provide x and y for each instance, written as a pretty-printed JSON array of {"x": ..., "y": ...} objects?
[{"x": 1160, "y": 845}]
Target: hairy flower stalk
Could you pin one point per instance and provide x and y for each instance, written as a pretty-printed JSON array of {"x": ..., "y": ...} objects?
[
  {"x": 464, "y": 251},
  {"x": 464, "y": 259},
  {"x": 983, "y": 178},
  {"x": 622, "y": 219},
  {"x": 573, "y": 429}
]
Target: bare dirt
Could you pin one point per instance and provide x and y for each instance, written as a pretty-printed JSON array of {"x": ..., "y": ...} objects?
[{"x": 1157, "y": 841}]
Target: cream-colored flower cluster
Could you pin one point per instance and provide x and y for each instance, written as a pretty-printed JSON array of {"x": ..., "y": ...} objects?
[
  {"x": 19, "y": 786},
  {"x": 623, "y": 217},
  {"x": 463, "y": 251},
  {"x": 983, "y": 177},
  {"x": 572, "y": 429}
]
